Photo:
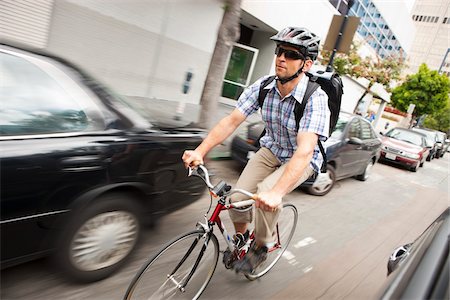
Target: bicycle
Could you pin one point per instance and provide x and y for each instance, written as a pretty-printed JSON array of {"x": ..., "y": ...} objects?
[{"x": 184, "y": 267}]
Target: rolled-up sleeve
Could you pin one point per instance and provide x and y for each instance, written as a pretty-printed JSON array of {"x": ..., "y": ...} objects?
[{"x": 316, "y": 117}]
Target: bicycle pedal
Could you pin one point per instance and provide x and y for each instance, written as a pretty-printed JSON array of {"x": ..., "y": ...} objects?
[{"x": 228, "y": 259}]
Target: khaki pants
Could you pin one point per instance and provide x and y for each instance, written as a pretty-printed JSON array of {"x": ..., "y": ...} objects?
[{"x": 261, "y": 173}]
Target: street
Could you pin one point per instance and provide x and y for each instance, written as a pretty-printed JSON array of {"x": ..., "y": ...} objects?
[{"x": 339, "y": 250}]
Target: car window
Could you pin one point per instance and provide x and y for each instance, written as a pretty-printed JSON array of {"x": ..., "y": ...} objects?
[
  {"x": 340, "y": 127},
  {"x": 366, "y": 131},
  {"x": 355, "y": 129},
  {"x": 406, "y": 136},
  {"x": 33, "y": 102}
]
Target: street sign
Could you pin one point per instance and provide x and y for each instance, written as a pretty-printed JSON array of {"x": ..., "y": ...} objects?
[{"x": 347, "y": 37}]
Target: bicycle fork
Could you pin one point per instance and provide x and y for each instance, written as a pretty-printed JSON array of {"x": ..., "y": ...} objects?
[{"x": 181, "y": 285}]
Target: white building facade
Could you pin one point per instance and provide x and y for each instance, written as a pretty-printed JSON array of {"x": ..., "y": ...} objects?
[
  {"x": 145, "y": 48},
  {"x": 432, "y": 41}
]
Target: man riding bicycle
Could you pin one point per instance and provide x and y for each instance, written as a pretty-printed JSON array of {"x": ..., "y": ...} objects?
[{"x": 287, "y": 157}]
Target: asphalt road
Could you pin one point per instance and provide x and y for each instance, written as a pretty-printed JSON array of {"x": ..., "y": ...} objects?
[{"x": 339, "y": 250}]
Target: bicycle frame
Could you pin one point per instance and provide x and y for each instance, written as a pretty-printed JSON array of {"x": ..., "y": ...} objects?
[{"x": 215, "y": 219}]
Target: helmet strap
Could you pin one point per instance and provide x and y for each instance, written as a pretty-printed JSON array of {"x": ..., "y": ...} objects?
[{"x": 285, "y": 80}]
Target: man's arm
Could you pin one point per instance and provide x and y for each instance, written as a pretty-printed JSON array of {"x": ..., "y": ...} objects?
[
  {"x": 217, "y": 135},
  {"x": 295, "y": 167}
]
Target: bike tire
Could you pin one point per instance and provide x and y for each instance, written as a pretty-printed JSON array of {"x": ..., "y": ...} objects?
[
  {"x": 287, "y": 223},
  {"x": 153, "y": 281}
]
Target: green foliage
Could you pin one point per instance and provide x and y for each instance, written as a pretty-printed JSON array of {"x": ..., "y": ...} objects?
[
  {"x": 439, "y": 121},
  {"x": 427, "y": 89}
]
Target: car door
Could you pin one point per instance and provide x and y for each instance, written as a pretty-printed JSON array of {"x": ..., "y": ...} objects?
[
  {"x": 351, "y": 154},
  {"x": 370, "y": 145},
  {"x": 47, "y": 127}
]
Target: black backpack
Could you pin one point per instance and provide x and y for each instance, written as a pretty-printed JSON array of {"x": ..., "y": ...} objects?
[{"x": 331, "y": 84}]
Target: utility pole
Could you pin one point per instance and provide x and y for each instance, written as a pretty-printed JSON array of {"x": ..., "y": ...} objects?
[
  {"x": 443, "y": 61},
  {"x": 339, "y": 38}
]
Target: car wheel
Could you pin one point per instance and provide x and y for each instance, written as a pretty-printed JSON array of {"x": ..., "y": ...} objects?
[
  {"x": 99, "y": 238},
  {"x": 421, "y": 163},
  {"x": 415, "y": 168},
  {"x": 322, "y": 189},
  {"x": 365, "y": 175}
]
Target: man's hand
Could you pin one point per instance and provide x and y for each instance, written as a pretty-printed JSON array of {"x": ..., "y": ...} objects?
[
  {"x": 268, "y": 201},
  {"x": 192, "y": 158}
]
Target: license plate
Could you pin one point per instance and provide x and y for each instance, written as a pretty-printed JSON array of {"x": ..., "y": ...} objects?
[
  {"x": 390, "y": 156},
  {"x": 250, "y": 154}
]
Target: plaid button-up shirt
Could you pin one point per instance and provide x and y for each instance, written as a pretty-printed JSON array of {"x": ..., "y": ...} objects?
[{"x": 278, "y": 115}]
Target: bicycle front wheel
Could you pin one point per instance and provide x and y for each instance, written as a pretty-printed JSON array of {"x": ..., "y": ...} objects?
[
  {"x": 181, "y": 270},
  {"x": 287, "y": 222}
]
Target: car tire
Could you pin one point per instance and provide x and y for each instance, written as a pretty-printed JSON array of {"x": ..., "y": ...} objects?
[
  {"x": 112, "y": 226},
  {"x": 415, "y": 168},
  {"x": 365, "y": 175},
  {"x": 421, "y": 163},
  {"x": 323, "y": 191}
]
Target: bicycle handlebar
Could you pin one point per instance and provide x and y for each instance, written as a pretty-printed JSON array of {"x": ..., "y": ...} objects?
[{"x": 205, "y": 177}]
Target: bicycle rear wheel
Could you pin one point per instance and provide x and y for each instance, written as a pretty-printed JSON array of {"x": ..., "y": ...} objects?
[
  {"x": 187, "y": 260},
  {"x": 287, "y": 222}
]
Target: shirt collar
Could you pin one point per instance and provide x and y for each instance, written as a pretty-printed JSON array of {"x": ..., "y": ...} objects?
[{"x": 299, "y": 91}]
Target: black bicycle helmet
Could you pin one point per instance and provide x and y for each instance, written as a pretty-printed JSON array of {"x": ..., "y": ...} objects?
[{"x": 301, "y": 38}]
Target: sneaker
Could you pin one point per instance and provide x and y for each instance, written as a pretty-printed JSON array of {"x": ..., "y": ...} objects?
[
  {"x": 229, "y": 257},
  {"x": 254, "y": 257},
  {"x": 241, "y": 239}
]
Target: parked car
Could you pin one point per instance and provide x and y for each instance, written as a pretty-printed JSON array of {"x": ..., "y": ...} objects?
[
  {"x": 405, "y": 147},
  {"x": 420, "y": 270},
  {"x": 81, "y": 171},
  {"x": 432, "y": 141},
  {"x": 442, "y": 144},
  {"x": 352, "y": 150}
]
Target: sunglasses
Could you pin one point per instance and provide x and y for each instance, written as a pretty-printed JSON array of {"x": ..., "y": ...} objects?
[{"x": 289, "y": 54}]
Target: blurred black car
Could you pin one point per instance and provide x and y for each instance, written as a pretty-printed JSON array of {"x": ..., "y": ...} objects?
[
  {"x": 352, "y": 150},
  {"x": 81, "y": 171},
  {"x": 432, "y": 141},
  {"x": 442, "y": 144},
  {"x": 421, "y": 269}
]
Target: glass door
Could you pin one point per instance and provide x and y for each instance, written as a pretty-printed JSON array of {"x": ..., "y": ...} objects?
[{"x": 240, "y": 68}]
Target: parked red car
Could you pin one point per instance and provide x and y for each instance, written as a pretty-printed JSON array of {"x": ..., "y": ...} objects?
[{"x": 404, "y": 147}]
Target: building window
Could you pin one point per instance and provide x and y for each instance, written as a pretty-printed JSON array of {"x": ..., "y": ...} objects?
[{"x": 445, "y": 20}]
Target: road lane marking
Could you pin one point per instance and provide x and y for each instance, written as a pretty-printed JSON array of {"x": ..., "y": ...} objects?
[{"x": 305, "y": 242}]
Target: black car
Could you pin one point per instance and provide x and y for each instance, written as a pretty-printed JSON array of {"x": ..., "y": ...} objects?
[
  {"x": 432, "y": 141},
  {"x": 421, "y": 269},
  {"x": 352, "y": 150},
  {"x": 81, "y": 171}
]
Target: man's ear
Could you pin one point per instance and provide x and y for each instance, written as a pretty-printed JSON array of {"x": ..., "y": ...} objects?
[{"x": 308, "y": 64}]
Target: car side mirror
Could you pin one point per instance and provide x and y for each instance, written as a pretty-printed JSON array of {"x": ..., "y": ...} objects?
[
  {"x": 381, "y": 133},
  {"x": 354, "y": 141}
]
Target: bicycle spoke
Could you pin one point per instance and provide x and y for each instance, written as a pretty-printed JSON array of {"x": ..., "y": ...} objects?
[
  {"x": 181, "y": 270},
  {"x": 285, "y": 229}
]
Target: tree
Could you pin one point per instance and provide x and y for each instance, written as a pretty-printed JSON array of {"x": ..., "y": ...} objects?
[
  {"x": 229, "y": 32},
  {"x": 427, "y": 90},
  {"x": 439, "y": 121},
  {"x": 381, "y": 70}
]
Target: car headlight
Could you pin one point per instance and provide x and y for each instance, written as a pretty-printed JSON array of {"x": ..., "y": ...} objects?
[{"x": 411, "y": 155}]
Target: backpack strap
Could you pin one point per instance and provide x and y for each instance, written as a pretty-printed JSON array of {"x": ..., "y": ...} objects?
[
  {"x": 262, "y": 96},
  {"x": 298, "y": 112},
  {"x": 263, "y": 92}
]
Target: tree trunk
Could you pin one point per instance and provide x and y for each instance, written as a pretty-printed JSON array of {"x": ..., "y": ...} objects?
[{"x": 229, "y": 32}]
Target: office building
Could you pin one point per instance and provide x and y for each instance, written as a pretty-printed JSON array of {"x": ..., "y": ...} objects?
[{"x": 432, "y": 40}]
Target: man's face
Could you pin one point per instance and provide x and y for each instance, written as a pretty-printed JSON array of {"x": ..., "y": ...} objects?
[{"x": 286, "y": 65}]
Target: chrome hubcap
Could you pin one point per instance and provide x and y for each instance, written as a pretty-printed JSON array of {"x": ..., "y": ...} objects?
[
  {"x": 104, "y": 240},
  {"x": 368, "y": 170},
  {"x": 323, "y": 182}
]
